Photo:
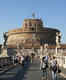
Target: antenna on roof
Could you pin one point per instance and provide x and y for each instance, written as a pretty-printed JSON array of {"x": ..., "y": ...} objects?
[{"x": 33, "y": 15}]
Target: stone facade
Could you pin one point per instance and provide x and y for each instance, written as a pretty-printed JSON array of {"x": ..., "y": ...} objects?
[{"x": 32, "y": 34}]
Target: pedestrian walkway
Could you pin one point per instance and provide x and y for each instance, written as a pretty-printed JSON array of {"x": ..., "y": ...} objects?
[
  {"x": 34, "y": 72},
  {"x": 31, "y": 71}
]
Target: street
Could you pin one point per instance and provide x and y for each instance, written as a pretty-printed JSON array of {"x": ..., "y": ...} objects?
[{"x": 31, "y": 71}]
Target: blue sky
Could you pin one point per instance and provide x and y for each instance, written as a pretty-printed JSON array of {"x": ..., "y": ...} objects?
[{"x": 52, "y": 12}]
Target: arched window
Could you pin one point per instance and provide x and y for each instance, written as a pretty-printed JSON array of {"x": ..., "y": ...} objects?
[
  {"x": 32, "y": 28},
  {"x": 25, "y": 24},
  {"x": 30, "y": 24}
]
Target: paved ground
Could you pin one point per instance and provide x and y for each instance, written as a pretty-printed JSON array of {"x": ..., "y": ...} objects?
[
  {"x": 10, "y": 74},
  {"x": 29, "y": 72},
  {"x": 32, "y": 72}
]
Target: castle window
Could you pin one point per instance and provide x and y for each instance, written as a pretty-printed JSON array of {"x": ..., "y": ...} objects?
[
  {"x": 25, "y": 25},
  {"x": 32, "y": 28},
  {"x": 30, "y": 24}
]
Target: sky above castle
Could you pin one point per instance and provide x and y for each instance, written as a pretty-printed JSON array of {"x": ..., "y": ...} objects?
[{"x": 52, "y": 12}]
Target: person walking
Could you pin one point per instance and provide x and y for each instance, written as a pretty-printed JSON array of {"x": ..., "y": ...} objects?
[
  {"x": 44, "y": 66},
  {"x": 53, "y": 68}
]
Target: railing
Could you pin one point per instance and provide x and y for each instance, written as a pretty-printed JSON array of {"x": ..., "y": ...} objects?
[{"x": 5, "y": 61}]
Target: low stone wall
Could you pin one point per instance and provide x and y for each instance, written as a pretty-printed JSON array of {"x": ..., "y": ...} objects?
[{"x": 61, "y": 61}]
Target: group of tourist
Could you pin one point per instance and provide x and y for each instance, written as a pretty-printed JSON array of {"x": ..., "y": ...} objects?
[
  {"x": 46, "y": 62},
  {"x": 20, "y": 59},
  {"x": 52, "y": 64}
]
